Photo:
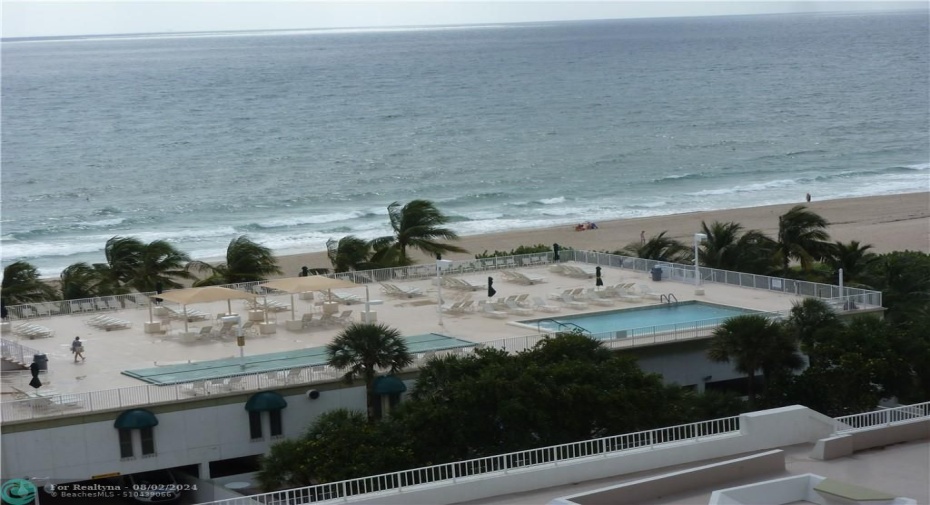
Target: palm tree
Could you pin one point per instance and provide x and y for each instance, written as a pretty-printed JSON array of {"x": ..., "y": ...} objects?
[
  {"x": 134, "y": 264},
  {"x": 725, "y": 248},
  {"x": 361, "y": 349},
  {"x": 159, "y": 264},
  {"x": 806, "y": 319},
  {"x": 418, "y": 225},
  {"x": 753, "y": 342},
  {"x": 81, "y": 280},
  {"x": 660, "y": 248},
  {"x": 853, "y": 258},
  {"x": 21, "y": 284},
  {"x": 246, "y": 261},
  {"x": 801, "y": 237},
  {"x": 348, "y": 253}
]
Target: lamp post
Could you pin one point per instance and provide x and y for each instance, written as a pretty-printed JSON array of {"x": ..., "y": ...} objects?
[
  {"x": 698, "y": 237},
  {"x": 440, "y": 265}
]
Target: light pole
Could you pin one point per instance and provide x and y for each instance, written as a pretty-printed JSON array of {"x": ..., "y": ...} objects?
[
  {"x": 440, "y": 265},
  {"x": 698, "y": 237}
]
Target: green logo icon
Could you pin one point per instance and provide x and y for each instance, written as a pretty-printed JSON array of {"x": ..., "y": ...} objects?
[{"x": 18, "y": 492}]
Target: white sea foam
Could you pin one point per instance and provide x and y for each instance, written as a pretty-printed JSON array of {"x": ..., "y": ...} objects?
[
  {"x": 310, "y": 219},
  {"x": 103, "y": 223},
  {"x": 552, "y": 201}
]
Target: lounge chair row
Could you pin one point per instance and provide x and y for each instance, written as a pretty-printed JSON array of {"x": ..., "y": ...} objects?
[
  {"x": 108, "y": 323},
  {"x": 573, "y": 271},
  {"x": 44, "y": 398},
  {"x": 464, "y": 284},
  {"x": 57, "y": 308},
  {"x": 270, "y": 305},
  {"x": 226, "y": 330},
  {"x": 400, "y": 291},
  {"x": 190, "y": 314},
  {"x": 309, "y": 320},
  {"x": 30, "y": 331},
  {"x": 522, "y": 278}
]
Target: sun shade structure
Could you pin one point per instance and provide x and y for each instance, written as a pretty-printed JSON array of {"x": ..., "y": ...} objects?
[
  {"x": 303, "y": 284},
  {"x": 203, "y": 295},
  {"x": 135, "y": 419}
]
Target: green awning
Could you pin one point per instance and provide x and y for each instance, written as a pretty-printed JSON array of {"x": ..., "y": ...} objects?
[
  {"x": 135, "y": 419},
  {"x": 264, "y": 401},
  {"x": 388, "y": 385}
]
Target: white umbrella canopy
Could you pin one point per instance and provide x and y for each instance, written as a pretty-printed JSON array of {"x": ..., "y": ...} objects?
[
  {"x": 302, "y": 284},
  {"x": 205, "y": 295},
  {"x": 202, "y": 295}
]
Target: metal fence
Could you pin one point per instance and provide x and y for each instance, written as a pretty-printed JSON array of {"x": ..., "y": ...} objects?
[
  {"x": 501, "y": 464},
  {"x": 850, "y": 297},
  {"x": 882, "y": 417},
  {"x": 16, "y": 352},
  {"x": 686, "y": 274}
]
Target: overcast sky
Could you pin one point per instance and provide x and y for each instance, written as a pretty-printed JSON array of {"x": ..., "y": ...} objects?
[{"x": 33, "y": 18}]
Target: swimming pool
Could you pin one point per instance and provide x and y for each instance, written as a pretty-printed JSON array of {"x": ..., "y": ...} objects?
[{"x": 616, "y": 321}]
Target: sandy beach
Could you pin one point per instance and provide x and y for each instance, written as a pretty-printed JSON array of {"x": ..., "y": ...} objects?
[{"x": 888, "y": 223}]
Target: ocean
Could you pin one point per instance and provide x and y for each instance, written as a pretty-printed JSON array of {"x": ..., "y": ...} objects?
[{"x": 297, "y": 137}]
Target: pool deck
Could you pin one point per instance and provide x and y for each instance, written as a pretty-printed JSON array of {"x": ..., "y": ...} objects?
[{"x": 109, "y": 353}]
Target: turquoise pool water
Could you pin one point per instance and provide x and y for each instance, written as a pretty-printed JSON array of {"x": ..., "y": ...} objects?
[{"x": 643, "y": 317}]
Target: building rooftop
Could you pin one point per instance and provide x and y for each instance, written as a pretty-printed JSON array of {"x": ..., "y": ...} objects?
[
  {"x": 129, "y": 347},
  {"x": 901, "y": 469}
]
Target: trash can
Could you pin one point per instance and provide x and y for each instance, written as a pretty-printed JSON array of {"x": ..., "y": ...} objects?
[
  {"x": 41, "y": 360},
  {"x": 656, "y": 273}
]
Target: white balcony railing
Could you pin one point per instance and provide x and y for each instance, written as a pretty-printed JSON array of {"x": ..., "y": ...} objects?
[
  {"x": 882, "y": 417},
  {"x": 450, "y": 472}
]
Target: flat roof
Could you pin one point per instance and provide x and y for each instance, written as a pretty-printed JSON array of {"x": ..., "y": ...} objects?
[
  {"x": 109, "y": 353},
  {"x": 901, "y": 469}
]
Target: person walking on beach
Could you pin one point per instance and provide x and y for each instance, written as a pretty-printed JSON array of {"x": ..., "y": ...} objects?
[
  {"x": 808, "y": 198},
  {"x": 642, "y": 237},
  {"x": 77, "y": 347}
]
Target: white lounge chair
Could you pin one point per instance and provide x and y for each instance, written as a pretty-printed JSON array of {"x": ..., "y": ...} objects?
[
  {"x": 592, "y": 296},
  {"x": 513, "y": 308},
  {"x": 344, "y": 318},
  {"x": 541, "y": 305},
  {"x": 488, "y": 310},
  {"x": 572, "y": 303}
]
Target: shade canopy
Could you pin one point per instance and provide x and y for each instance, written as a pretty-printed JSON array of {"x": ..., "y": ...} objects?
[
  {"x": 388, "y": 385},
  {"x": 312, "y": 283},
  {"x": 265, "y": 401},
  {"x": 204, "y": 295},
  {"x": 135, "y": 419}
]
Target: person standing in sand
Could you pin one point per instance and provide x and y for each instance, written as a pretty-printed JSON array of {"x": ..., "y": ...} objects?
[
  {"x": 808, "y": 198},
  {"x": 77, "y": 347},
  {"x": 642, "y": 237}
]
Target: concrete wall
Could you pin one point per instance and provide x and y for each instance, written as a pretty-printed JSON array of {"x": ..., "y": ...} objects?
[
  {"x": 683, "y": 363},
  {"x": 653, "y": 488},
  {"x": 193, "y": 432},
  {"x": 764, "y": 430},
  {"x": 846, "y": 444}
]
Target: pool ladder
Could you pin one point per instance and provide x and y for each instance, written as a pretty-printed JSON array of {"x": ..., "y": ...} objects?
[
  {"x": 668, "y": 299},
  {"x": 570, "y": 326}
]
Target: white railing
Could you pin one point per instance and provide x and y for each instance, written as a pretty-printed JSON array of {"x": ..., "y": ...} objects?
[
  {"x": 685, "y": 274},
  {"x": 882, "y": 417},
  {"x": 449, "y": 473},
  {"x": 16, "y": 352},
  {"x": 69, "y": 404},
  {"x": 671, "y": 272}
]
